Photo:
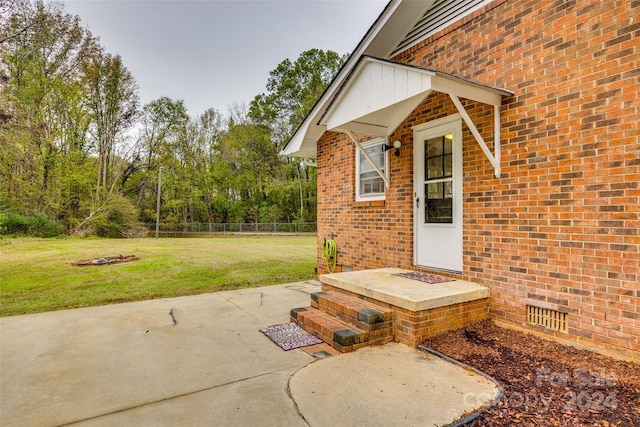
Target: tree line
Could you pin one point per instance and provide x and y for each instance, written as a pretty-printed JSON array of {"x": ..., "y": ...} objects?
[{"x": 77, "y": 147}]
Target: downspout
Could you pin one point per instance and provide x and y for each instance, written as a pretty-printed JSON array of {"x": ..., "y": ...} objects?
[{"x": 366, "y": 155}]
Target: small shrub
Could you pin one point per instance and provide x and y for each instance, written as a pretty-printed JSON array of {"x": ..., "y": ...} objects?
[
  {"x": 117, "y": 219},
  {"x": 14, "y": 224},
  {"x": 43, "y": 226},
  {"x": 40, "y": 225}
]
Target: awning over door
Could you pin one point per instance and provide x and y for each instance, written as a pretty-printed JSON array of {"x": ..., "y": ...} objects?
[{"x": 379, "y": 95}]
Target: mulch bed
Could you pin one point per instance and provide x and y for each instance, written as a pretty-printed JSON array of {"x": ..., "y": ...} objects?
[{"x": 546, "y": 383}]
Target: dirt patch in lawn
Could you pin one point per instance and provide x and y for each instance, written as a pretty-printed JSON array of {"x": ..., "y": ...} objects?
[
  {"x": 546, "y": 383},
  {"x": 116, "y": 259}
]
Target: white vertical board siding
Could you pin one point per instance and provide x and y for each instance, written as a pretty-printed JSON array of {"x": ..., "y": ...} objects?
[
  {"x": 376, "y": 71},
  {"x": 387, "y": 90},
  {"x": 377, "y": 86},
  {"x": 401, "y": 91}
]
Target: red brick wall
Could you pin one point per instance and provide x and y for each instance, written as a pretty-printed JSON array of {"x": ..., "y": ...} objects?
[{"x": 561, "y": 227}]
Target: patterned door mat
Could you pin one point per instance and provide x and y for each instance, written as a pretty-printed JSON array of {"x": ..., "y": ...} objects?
[
  {"x": 425, "y": 277},
  {"x": 290, "y": 336}
]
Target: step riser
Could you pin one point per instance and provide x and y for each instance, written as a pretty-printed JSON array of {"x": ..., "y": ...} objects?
[
  {"x": 327, "y": 331},
  {"x": 344, "y": 322},
  {"x": 359, "y": 313},
  {"x": 339, "y": 334},
  {"x": 349, "y": 319}
]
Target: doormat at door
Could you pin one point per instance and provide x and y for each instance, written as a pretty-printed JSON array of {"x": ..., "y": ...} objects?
[
  {"x": 290, "y": 336},
  {"x": 425, "y": 277}
]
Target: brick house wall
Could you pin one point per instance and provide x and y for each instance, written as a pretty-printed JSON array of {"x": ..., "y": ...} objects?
[{"x": 560, "y": 229}]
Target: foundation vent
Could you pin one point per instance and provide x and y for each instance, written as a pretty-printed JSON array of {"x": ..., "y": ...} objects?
[{"x": 548, "y": 318}]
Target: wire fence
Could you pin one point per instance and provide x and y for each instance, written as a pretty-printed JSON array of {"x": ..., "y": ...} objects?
[{"x": 220, "y": 228}]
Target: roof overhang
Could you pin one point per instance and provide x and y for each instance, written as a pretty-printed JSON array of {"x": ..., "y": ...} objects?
[
  {"x": 379, "y": 41},
  {"x": 373, "y": 96},
  {"x": 380, "y": 95}
]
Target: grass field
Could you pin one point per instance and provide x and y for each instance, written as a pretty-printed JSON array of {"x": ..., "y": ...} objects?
[{"x": 36, "y": 274}]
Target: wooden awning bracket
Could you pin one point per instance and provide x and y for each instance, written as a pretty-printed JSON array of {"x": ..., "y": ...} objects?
[
  {"x": 366, "y": 155},
  {"x": 494, "y": 157}
]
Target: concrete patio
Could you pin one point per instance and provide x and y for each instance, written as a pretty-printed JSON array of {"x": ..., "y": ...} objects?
[{"x": 201, "y": 360}]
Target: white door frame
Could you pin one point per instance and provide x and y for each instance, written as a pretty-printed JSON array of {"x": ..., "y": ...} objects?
[{"x": 438, "y": 246}]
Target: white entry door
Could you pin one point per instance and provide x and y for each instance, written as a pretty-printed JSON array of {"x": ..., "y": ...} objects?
[{"x": 438, "y": 194}]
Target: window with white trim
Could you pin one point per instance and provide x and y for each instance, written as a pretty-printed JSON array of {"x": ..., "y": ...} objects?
[{"x": 369, "y": 184}]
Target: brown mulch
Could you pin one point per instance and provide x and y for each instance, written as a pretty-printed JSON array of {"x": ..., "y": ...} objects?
[{"x": 546, "y": 383}]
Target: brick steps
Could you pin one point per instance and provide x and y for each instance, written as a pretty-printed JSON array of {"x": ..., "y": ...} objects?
[{"x": 345, "y": 323}]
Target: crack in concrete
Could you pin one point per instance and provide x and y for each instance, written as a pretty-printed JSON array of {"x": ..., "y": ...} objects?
[
  {"x": 295, "y": 404},
  {"x": 300, "y": 288},
  {"x": 230, "y": 300},
  {"x": 167, "y": 399}
]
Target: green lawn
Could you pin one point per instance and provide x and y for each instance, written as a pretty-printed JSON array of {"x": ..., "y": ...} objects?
[{"x": 36, "y": 274}]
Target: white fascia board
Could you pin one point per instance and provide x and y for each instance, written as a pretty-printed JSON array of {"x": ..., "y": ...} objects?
[
  {"x": 295, "y": 143},
  {"x": 473, "y": 91}
]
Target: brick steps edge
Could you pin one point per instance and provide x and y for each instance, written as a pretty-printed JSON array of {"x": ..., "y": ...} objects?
[
  {"x": 342, "y": 336},
  {"x": 360, "y": 313}
]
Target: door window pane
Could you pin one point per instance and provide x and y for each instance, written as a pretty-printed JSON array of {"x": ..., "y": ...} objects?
[
  {"x": 438, "y": 158},
  {"x": 439, "y": 211},
  {"x": 434, "y": 168},
  {"x": 448, "y": 189},
  {"x": 439, "y": 170},
  {"x": 434, "y": 191}
]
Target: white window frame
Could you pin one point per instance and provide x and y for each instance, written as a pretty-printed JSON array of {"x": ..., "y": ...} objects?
[{"x": 375, "y": 196}]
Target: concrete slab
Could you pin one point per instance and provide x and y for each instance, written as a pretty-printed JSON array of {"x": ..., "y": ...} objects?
[
  {"x": 384, "y": 285},
  {"x": 199, "y": 360},
  {"x": 73, "y": 365},
  {"x": 262, "y": 400},
  {"x": 388, "y": 385}
]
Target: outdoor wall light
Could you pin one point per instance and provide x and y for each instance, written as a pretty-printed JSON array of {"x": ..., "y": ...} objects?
[
  {"x": 396, "y": 145},
  {"x": 312, "y": 163}
]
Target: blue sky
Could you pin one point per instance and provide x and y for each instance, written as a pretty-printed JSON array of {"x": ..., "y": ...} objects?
[{"x": 217, "y": 53}]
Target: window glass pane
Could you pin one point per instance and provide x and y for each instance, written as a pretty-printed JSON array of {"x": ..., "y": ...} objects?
[
  {"x": 448, "y": 145},
  {"x": 434, "y": 168},
  {"x": 376, "y": 155},
  {"x": 448, "y": 165},
  {"x": 370, "y": 182},
  {"x": 434, "y": 147}
]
